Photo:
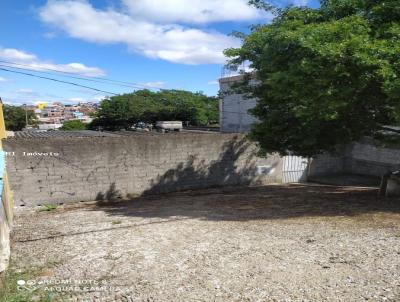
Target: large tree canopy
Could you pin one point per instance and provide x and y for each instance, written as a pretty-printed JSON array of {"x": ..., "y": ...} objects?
[
  {"x": 15, "y": 117},
  {"x": 326, "y": 76},
  {"x": 146, "y": 106}
]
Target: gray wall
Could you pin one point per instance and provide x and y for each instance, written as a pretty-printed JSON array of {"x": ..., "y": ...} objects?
[
  {"x": 234, "y": 116},
  {"x": 110, "y": 167},
  {"x": 358, "y": 158},
  {"x": 368, "y": 159}
]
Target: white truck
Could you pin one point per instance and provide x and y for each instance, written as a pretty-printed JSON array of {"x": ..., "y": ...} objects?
[{"x": 166, "y": 126}]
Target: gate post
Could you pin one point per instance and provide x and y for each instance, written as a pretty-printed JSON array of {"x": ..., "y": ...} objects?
[{"x": 6, "y": 201}]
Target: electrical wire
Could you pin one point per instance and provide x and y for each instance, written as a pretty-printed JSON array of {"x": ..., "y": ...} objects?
[
  {"x": 60, "y": 81},
  {"x": 72, "y": 75},
  {"x": 87, "y": 87},
  {"x": 75, "y": 77}
]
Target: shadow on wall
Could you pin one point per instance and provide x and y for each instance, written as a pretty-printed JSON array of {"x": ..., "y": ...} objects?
[
  {"x": 112, "y": 194},
  {"x": 199, "y": 174}
]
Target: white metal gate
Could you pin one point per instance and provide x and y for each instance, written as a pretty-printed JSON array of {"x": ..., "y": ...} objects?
[{"x": 294, "y": 169}]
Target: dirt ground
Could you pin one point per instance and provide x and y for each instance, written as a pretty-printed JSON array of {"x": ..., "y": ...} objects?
[{"x": 272, "y": 243}]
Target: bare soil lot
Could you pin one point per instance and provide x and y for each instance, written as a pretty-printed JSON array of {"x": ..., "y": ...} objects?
[{"x": 273, "y": 243}]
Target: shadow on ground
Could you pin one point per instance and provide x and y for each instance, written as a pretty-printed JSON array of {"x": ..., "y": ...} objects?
[
  {"x": 236, "y": 167},
  {"x": 251, "y": 203},
  {"x": 343, "y": 179},
  {"x": 241, "y": 204}
]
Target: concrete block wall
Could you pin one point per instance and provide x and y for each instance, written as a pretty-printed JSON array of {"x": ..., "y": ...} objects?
[
  {"x": 359, "y": 158},
  {"x": 62, "y": 170},
  {"x": 326, "y": 164},
  {"x": 368, "y": 159}
]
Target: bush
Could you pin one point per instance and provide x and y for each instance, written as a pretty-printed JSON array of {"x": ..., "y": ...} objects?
[{"x": 73, "y": 126}]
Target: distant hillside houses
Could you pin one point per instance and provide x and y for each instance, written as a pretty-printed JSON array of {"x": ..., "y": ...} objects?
[{"x": 54, "y": 115}]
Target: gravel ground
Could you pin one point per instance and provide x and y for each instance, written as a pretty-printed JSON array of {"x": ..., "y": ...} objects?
[{"x": 272, "y": 243}]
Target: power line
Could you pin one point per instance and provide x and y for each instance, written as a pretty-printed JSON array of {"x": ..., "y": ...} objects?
[
  {"x": 55, "y": 80},
  {"x": 72, "y": 75}
]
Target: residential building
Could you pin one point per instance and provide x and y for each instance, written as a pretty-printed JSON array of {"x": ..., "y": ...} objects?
[
  {"x": 234, "y": 106},
  {"x": 57, "y": 113}
]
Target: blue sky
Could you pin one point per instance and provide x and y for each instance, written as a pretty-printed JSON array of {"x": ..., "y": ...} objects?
[{"x": 155, "y": 43}]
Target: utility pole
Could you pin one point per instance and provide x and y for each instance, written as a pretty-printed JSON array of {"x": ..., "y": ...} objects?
[{"x": 26, "y": 116}]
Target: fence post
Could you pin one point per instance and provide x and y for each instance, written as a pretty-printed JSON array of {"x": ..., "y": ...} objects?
[{"x": 6, "y": 202}]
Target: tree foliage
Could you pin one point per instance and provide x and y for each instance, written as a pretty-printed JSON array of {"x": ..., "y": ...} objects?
[
  {"x": 123, "y": 111},
  {"x": 72, "y": 125},
  {"x": 326, "y": 76},
  {"x": 15, "y": 117}
]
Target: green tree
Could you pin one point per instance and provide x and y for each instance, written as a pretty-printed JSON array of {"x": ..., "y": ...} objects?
[
  {"x": 15, "y": 117},
  {"x": 326, "y": 76},
  {"x": 73, "y": 125},
  {"x": 123, "y": 111}
]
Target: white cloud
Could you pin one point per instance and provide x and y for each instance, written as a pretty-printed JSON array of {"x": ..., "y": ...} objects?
[
  {"x": 3, "y": 80},
  {"x": 33, "y": 62},
  {"x": 99, "y": 98},
  {"x": 50, "y": 35},
  {"x": 29, "y": 96},
  {"x": 153, "y": 84},
  {"x": 17, "y": 55},
  {"x": 94, "y": 99},
  {"x": 171, "y": 42},
  {"x": 193, "y": 11},
  {"x": 25, "y": 91},
  {"x": 76, "y": 100},
  {"x": 22, "y": 95}
]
